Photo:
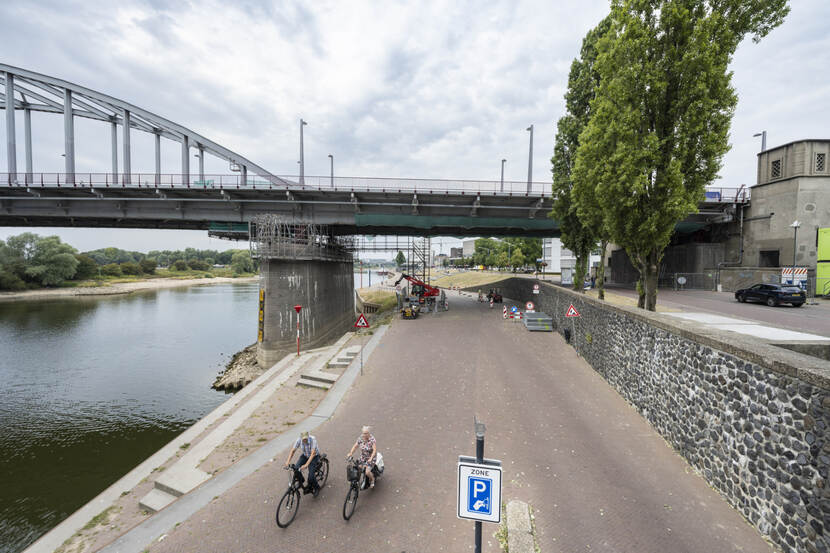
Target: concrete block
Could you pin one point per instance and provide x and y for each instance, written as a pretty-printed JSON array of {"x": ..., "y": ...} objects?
[
  {"x": 320, "y": 376},
  {"x": 156, "y": 500},
  {"x": 178, "y": 480},
  {"x": 339, "y": 364},
  {"x": 313, "y": 383},
  {"x": 519, "y": 529},
  {"x": 352, "y": 351}
]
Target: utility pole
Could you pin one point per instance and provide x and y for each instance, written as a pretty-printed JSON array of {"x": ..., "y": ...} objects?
[
  {"x": 763, "y": 135},
  {"x": 530, "y": 160},
  {"x": 331, "y": 159},
  {"x": 302, "y": 157},
  {"x": 502, "y": 174}
]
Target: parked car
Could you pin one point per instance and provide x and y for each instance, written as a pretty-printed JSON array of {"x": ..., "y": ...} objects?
[{"x": 772, "y": 294}]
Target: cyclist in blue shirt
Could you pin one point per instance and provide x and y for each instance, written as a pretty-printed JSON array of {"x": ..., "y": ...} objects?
[{"x": 309, "y": 458}]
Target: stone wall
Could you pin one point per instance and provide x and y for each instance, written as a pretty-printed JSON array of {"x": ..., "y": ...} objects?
[{"x": 751, "y": 418}]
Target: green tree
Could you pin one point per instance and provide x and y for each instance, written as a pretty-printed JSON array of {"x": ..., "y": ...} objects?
[
  {"x": 111, "y": 269},
  {"x": 400, "y": 259},
  {"x": 179, "y": 265},
  {"x": 660, "y": 119},
  {"x": 197, "y": 265},
  {"x": 501, "y": 260},
  {"x": 87, "y": 268},
  {"x": 583, "y": 80},
  {"x": 224, "y": 258},
  {"x": 517, "y": 258},
  {"x": 130, "y": 268},
  {"x": 11, "y": 269},
  {"x": 148, "y": 265},
  {"x": 241, "y": 262},
  {"x": 51, "y": 261}
]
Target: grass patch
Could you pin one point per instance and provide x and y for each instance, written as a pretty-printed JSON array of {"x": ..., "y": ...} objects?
[
  {"x": 385, "y": 299},
  {"x": 98, "y": 519},
  {"x": 469, "y": 279},
  {"x": 184, "y": 445}
]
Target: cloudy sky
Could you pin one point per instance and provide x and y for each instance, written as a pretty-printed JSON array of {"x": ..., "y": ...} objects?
[{"x": 393, "y": 89}]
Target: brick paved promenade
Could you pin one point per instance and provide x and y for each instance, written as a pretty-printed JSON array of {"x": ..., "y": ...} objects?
[{"x": 599, "y": 478}]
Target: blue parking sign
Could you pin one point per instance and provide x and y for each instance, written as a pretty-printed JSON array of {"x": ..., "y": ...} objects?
[
  {"x": 480, "y": 499},
  {"x": 479, "y": 489}
]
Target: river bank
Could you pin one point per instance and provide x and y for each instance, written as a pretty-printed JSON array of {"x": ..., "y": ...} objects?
[{"x": 120, "y": 288}]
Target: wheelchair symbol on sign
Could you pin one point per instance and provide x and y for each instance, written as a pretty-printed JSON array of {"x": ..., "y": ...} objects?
[{"x": 480, "y": 490}]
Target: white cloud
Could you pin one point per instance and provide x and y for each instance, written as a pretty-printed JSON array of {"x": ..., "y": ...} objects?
[{"x": 426, "y": 89}]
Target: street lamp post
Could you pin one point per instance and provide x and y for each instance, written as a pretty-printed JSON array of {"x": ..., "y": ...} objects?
[
  {"x": 331, "y": 159},
  {"x": 795, "y": 226},
  {"x": 502, "y": 174},
  {"x": 530, "y": 160},
  {"x": 302, "y": 158},
  {"x": 763, "y": 135}
]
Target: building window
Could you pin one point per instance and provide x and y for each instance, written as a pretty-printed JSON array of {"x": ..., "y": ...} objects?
[
  {"x": 768, "y": 258},
  {"x": 820, "y": 158},
  {"x": 776, "y": 170}
]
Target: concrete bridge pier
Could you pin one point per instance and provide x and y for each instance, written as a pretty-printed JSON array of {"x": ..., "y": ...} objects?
[
  {"x": 325, "y": 289},
  {"x": 300, "y": 264}
]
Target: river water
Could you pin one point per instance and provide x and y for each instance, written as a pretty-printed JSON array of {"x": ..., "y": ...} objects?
[{"x": 89, "y": 388}]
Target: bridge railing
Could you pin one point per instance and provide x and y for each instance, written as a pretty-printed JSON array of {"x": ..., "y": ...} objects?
[
  {"x": 288, "y": 182},
  {"x": 319, "y": 183}
]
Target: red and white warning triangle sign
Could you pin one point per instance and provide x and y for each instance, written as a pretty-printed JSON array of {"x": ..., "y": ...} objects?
[
  {"x": 361, "y": 322},
  {"x": 572, "y": 312}
]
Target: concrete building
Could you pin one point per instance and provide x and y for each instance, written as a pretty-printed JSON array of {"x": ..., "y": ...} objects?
[
  {"x": 469, "y": 247},
  {"x": 456, "y": 253},
  {"x": 551, "y": 254},
  {"x": 753, "y": 241}
]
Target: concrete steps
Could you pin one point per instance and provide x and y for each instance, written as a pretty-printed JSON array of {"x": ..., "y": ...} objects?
[
  {"x": 318, "y": 378},
  {"x": 304, "y": 381},
  {"x": 156, "y": 500}
]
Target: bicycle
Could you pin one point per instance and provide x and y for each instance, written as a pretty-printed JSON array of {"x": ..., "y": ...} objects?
[
  {"x": 356, "y": 476},
  {"x": 290, "y": 502}
]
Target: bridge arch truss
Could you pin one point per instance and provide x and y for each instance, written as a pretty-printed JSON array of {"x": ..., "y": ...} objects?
[{"x": 25, "y": 90}]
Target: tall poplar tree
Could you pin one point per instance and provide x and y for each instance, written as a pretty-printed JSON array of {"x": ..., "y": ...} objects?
[
  {"x": 660, "y": 120},
  {"x": 583, "y": 79}
]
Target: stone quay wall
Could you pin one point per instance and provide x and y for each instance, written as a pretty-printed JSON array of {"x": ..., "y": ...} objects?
[{"x": 750, "y": 417}]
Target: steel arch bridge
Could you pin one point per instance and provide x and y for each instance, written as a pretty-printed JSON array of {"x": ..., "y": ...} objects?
[{"x": 32, "y": 91}]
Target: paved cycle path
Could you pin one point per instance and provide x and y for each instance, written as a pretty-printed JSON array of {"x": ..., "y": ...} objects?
[{"x": 598, "y": 477}]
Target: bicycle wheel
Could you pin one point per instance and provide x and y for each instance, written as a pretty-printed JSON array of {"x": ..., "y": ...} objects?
[
  {"x": 288, "y": 507},
  {"x": 351, "y": 502},
  {"x": 322, "y": 473}
]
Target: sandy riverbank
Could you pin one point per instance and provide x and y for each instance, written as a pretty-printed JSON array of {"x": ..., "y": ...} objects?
[{"x": 119, "y": 288}]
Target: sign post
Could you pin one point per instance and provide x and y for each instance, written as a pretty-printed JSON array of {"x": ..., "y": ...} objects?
[
  {"x": 479, "y": 487},
  {"x": 573, "y": 314},
  {"x": 297, "y": 308},
  {"x": 535, "y": 288},
  {"x": 361, "y": 323}
]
